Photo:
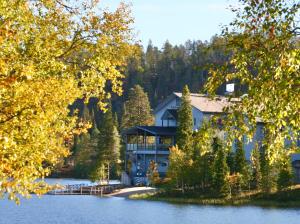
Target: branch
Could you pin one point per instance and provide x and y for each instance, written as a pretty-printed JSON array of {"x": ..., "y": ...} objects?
[{"x": 15, "y": 115}]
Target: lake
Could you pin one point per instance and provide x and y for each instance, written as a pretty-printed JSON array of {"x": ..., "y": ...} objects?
[{"x": 87, "y": 209}]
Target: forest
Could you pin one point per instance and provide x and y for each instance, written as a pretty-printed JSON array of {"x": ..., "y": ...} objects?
[
  {"x": 158, "y": 72},
  {"x": 73, "y": 77}
]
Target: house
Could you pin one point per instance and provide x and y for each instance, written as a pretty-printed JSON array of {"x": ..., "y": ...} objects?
[{"x": 146, "y": 143}]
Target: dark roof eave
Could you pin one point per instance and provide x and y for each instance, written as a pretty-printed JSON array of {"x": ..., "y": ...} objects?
[{"x": 152, "y": 130}]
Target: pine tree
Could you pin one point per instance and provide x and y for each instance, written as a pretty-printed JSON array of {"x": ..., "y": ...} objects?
[
  {"x": 220, "y": 170},
  {"x": 185, "y": 123},
  {"x": 256, "y": 168},
  {"x": 137, "y": 110},
  {"x": 116, "y": 166}
]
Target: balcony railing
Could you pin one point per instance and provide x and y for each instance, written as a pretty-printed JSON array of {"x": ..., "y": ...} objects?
[{"x": 150, "y": 147}]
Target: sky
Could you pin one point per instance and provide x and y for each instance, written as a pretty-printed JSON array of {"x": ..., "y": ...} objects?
[{"x": 177, "y": 20}]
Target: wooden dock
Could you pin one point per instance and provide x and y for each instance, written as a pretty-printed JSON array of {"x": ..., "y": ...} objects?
[{"x": 82, "y": 189}]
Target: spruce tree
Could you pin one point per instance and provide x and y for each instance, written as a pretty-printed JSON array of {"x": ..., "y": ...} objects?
[
  {"x": 185, "y": 123},
  {"x": 256, "y": 168},
  {"x": 106, "y": 155},
  {"x": 116, "y": 121},
  {"x": 267, "y": 171},
  {"x": 137, "y": 110},
  {"x": 241, "y": 165},
  {"x": 220, "y": 170}
]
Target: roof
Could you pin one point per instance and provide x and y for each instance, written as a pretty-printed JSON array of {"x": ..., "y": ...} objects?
[
  {"x": 206, "y": 104},
  {"x": 202, "y": 102},
  {"x": 151, "y": 130}
]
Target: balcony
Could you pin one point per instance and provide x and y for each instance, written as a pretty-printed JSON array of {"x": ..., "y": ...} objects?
[{"x": 148, "y": 147}]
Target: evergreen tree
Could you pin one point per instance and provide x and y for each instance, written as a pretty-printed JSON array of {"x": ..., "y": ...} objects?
[
  {"x": 241, "y": 165},
  {"x": 137, "y": 110},
  {"x": 256, "y": 168},
  {"x": 85, "y": 153},
  {"x": 116, "y": 121},
  {"x": 184, "y": 133},
  {"x": 116, "y": 163},
  {"x": 231, "y": 162},
  {"x": 285, "y": 173},
  {"x": 85, "y": 146},
  {"x": 268, "y": 172},
  {"x": 220, "y": 170},
  {"x": 107, "y": 146}
]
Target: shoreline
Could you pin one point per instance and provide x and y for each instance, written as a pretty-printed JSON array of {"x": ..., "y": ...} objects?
[
  {"x": 284, "y": 199},
  {"x": 130, "y": 191}
]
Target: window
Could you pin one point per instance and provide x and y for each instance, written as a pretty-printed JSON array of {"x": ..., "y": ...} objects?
[{"x": 195, "y": 121}]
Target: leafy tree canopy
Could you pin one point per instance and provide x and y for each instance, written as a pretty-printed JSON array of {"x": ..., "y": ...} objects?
[
  {"x": 51, "y": 53},
  {"x": 265, "y": 59}
]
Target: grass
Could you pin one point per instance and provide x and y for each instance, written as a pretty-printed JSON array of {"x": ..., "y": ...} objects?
[{"x": 286, "y": 198}]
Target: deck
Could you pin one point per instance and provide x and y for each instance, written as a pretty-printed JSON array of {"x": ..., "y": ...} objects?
[{"x": 82, "y": 189}]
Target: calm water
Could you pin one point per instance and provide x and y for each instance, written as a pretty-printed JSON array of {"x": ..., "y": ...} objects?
[{"x": 92, "y": 209}]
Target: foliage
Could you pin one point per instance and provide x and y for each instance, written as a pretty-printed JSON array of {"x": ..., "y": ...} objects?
[
  {"x": 234, "y": 180},
  {"x": 256, "y": 168},
  {"x": 285, "y": 175},
  {"x": 241, "y": 165},
  {"x": 264, "y": 60},
  {"x": 220, "y": 170},
  {"x": 161, "y": 71},
  {"x": 203, "y": 154},
  {"x": 177, "y": 164},
  {"x": 84, "y": 147},
  {"x": 152, "y": 173},
  {"x": 52, "y": 53},
  {"x": 185, "y": 123},
  {"x": 137, "y": 110},
  {"x": 268, "y": 171},
  {"x": 108, "y": 148}
]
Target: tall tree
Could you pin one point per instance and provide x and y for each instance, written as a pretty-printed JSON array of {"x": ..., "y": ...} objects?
[
  {"x": 241, "y": 165},
  {"x": 185, "y": 123},
  {"x": 256, "y": 168},
  {"x": 177, "y": 167},
  {"x": 108, "y": 148},
  {"x": 264, "y": 59},
  {"x": 220, "y": 170},
  {"x": 268, "y": 171},
  {"x": 285, "y": 175},
  {"x": 52, "y": 52},
  {"x": 137, "y": 110}
]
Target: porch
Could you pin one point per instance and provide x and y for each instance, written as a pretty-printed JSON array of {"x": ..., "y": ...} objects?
[
  {"x": 149, "y": 139},
  {"x": 145, "y": 144}
]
